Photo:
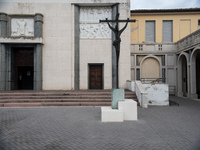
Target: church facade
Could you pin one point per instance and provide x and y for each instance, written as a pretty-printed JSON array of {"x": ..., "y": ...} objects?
[
  {"x": 60, "y": 45},
  {"x": 165, "y": 44}
]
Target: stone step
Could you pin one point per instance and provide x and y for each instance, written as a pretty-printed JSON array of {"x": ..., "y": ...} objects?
[
  {"x": 57, "y": 95},
  {"x": 53, "y": 100},
  {"x": 59, "y": 98},
  {"x": 78, "y": 104},
  {"x": 20, "y": 105},
  {"x": 18, "y": 93},
  {"x": 55, "y": 104},
  {"x": 63, "y": 97},
  {"x": 38, "y": 104}
]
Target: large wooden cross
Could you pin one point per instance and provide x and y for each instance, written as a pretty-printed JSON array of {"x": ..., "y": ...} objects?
[{"x": 117, "y": 41}]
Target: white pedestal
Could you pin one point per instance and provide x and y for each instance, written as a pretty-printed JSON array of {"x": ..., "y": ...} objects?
[
  {"x": 129, "y": 109},
  {"x": 111, "y": 115}
]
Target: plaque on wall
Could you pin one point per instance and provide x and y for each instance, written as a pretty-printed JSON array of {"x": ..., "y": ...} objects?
[{"x": 22, "y": 27}]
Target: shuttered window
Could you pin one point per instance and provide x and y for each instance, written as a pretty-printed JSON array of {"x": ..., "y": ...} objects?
[
  {"x": 167, "y": 31},
  {"x": 150, "y": 31}
]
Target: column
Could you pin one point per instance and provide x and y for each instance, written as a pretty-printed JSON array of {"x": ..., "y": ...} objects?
[
  {"x": 3, "y": 24},
  {"x": 38, "y": 67},
  {"x": 2, "y": 67},
  {"x": 76, "y": 47},
  {"x": 38, "y": 25}
]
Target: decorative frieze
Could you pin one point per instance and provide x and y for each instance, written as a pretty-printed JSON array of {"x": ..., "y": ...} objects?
[
  {"x": 94, "y": 31},
  {"x": 89, "y": 22},
  {"x": 22, "y": 27}
]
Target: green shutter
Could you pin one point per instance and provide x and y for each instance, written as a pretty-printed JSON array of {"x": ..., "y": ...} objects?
[
  {"x": 150, "y": 31},
  {"x": 167, "y": 31}
]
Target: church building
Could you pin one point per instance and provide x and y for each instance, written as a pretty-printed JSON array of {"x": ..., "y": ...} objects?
[{"x": 61, "y": 45}]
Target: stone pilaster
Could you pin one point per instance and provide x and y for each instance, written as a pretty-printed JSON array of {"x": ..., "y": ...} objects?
[
  {"x": 38, "y": 25},
  {"x": 38, "y": 67},
  {"x": 2, "y": 67},
  {"x": 3, "y": 24},
  {"x": 76, "y": 47}
]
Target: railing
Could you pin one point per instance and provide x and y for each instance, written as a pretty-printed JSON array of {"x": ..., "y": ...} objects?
[
  {"x": 153, "y": 80},
  {"x": 188, "y": 41},
  {"x": 141, "y": 94}
]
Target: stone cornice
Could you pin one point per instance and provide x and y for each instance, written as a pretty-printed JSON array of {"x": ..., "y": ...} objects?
[{"x": 20, "y": 40}]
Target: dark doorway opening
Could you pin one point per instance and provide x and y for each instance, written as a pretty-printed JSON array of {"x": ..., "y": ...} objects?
[
  {"x": 95, "y": 76},
  {"x": 198, "y": 74},
  {"x": 25, "y": 78},
  {"x": 23, "y": 68},
  {"x": 184, "y": 76}
]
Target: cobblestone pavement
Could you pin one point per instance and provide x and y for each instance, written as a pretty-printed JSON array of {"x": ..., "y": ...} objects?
[{"x": 62, "y": 128}]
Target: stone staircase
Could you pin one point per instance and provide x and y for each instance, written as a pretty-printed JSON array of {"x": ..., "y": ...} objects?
[{"x": 59, "y": 98}]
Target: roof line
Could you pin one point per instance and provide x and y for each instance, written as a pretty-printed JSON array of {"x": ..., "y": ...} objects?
[{"x": 165, "y": 10}]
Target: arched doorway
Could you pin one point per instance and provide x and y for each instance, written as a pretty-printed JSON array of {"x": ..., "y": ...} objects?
[
  {"x": 150, "y": 68},
  {"x": 184, "y": 76},
  {"x": 195, "y": 73},
  {"x": 198, "y": 73}
]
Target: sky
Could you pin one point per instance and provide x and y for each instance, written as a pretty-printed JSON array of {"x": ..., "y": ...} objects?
[{"x": 164, "y": 4}]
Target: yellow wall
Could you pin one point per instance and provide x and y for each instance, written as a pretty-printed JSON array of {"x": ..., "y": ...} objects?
[{"x": 183, "y": 24}]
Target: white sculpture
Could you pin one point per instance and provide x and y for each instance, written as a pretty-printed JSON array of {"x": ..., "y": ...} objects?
[
  {"x": 22, "y": 27},
  {"x": 89, "y": 22}
]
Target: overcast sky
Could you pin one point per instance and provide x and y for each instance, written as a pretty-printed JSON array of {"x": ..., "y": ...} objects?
[{"x": 164, "y": 4}]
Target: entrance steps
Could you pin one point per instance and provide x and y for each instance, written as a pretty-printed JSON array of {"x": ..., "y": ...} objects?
[{"x": 59, "y": 98}]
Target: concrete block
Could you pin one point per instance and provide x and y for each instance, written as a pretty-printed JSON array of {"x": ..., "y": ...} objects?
[
  {"x": 129, "y": 108},
  {"x": 117, "y": 95},
  {"x": 111, "y": 115}
]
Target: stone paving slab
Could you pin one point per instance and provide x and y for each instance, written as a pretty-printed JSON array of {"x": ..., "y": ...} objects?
[{"x": 62, "y": 128}]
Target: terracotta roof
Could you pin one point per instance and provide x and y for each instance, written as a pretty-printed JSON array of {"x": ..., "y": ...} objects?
[{"x": 165, "y": 10}]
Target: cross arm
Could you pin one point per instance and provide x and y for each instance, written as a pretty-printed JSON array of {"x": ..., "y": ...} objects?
[{"x": 117, "y": 21}]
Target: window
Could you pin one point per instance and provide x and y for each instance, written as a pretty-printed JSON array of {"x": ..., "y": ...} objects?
[
  {"x": 140, "y": 47},
  {"x": 160, "y": 47},
  {"x": 137, "y": 61},
  {"x": 150, "y": 31},
  {"x": 167, "y": 31},
  {"x": 163, "y": 60},
  {"x": 138, "y": 74},
  {"x": 198, "y": 24}
]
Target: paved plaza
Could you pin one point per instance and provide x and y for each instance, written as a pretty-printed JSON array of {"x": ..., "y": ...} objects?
[{"x": 63, "y": 128}]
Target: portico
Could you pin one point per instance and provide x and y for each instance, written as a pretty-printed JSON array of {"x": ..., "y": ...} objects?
[
  {"x": 188, "y": 52},
  {"x": 21, "y": 52}
]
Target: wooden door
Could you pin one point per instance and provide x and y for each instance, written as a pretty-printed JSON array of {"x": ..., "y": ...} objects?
[
  {"x": 96, "y": 76},
  {"x": 24, "y": 57}
]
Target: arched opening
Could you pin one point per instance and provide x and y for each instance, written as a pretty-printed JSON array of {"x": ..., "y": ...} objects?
[
  {"x": 150, "y": 68},
  {"x": 184, "y": 76},
  {"x": 198, "y": 74}
]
